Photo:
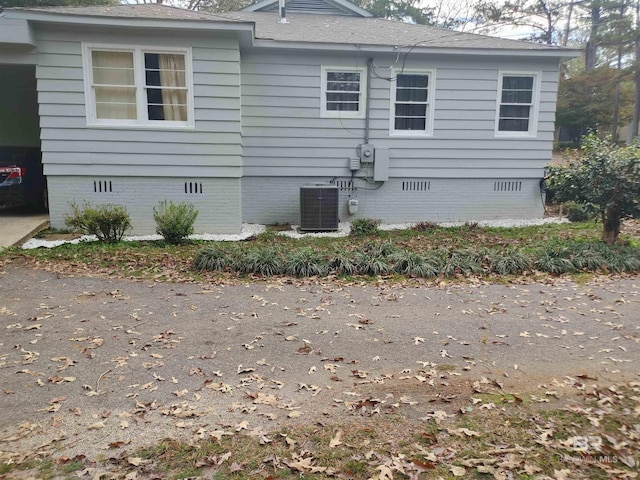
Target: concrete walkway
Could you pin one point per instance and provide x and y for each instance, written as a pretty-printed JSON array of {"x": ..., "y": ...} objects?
[{"x": 16, "y": 225}]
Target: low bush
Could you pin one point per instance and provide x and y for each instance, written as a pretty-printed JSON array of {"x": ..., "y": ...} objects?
[
  {"x": 413, "y": 264},
  {"x": 266, "y": 261},
  {"x": 424, "y": 226},
  {"x": 305, "y": 262},
  {"x": 384, "y": 258},
  {"x": 576, "y": 212},
  {"x": 108, "y": 222},
  {"x": 365, "y": 227},
  {"x": 174, "y": 221},
  {"x": 367, "y": 264},
  {"x": 462, "y": 262},
  {"x": 213, "y": 258},
  {"x": 509, "y": 262}
]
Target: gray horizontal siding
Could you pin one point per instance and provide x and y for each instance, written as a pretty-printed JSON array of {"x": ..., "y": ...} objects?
[
  {"x": 284, "y": 134},
  {"x": 70, "y": 147}
]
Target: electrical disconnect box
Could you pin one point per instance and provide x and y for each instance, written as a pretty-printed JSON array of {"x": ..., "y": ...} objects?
[
  {"x": 354, "y": 164},
  {"x": 381, "y": 165}
]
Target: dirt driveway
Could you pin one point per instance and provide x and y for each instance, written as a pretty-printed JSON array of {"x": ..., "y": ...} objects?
[{"x": 90, "y": 363}]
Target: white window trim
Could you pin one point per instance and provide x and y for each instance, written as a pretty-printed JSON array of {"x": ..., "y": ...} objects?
[
  {"x": 323, "y": 92},
  {"x": 428, "y": 131},
  {"x": 139, "y": 72},
  {"x": 535, "y": 102}
]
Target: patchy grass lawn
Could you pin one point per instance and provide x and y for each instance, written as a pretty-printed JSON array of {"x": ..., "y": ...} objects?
[{"x": 591, "y": 432}]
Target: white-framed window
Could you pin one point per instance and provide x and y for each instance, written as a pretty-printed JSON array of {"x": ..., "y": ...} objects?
[
  {"x": 517, "y": 112},
  {"x": 141, "y": 86},
  {"x": 412, "y": 102},
  {"x": 343, "y": 92}
]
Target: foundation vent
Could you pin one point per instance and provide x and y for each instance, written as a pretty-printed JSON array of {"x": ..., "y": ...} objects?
[
  {"x": 507, "y": 186},
  {"x": 345, "y": 185},
  {"x": 416, "y": 186},
  {"x": 102, "y": 186},
  {"x": 193, "y": 187}
]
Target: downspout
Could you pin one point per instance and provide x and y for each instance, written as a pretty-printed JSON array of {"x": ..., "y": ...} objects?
[
  {"x": 283, "y": 12},
  {"x": 368, "y": 102}
]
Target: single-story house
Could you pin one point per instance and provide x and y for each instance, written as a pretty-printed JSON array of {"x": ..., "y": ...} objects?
[{"x": 252, "y": 118}]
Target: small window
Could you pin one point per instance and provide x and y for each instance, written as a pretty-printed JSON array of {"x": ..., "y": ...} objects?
[
  {"x": 411, "y": 109},
  {"x": 138, "y": 87},
  {"x": 517, "y": 104},
  {"x": 343, "y": 92}
]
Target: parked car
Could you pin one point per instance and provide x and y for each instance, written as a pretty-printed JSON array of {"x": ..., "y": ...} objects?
[{"x": 22, "y": 182}]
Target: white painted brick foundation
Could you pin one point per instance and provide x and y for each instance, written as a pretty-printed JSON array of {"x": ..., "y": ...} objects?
[
  {"x": 219, "y": 203},
  {"x": 276, "y": 199}
]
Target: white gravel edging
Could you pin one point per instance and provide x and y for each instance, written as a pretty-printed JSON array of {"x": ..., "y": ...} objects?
[
  {"x": 251, "y": 229},
  {"x": 248, "y": 230}
]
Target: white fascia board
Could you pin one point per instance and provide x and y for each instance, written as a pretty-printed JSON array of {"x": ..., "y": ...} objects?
[
  {"x": 563, "y": 54},
  {"x": 15, "y": 32},
  {"x": 132, "y": 22}
]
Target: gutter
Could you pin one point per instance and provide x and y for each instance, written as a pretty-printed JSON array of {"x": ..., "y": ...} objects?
[{"x": 563, "y": 54}]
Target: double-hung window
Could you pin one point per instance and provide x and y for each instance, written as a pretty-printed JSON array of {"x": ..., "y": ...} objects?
[
  {"x": 343, "y": 92},
  {"x": 517, "y": 104},
  {"x": 412, "y": 103},
  {"x": 139, "y": 86}
]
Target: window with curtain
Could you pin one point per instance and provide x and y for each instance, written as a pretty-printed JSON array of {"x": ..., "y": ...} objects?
[
  {"x": 411, "y": 108},
  {"x": 343, "y": 92},
  {"x": 516, "y": 104},
  {"x": 139, "y": 87}
]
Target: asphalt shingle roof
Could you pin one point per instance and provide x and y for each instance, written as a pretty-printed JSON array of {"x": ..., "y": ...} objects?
[
  {"x": 309, "y": 28},
  {"x": 150, "y": 10},
  {"x": 369, "y": 31}
]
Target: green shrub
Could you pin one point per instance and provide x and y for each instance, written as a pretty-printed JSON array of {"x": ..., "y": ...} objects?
[
  {"x": 424, "y": 226},
  {"x": 509, "y": 262},
  {"x": 555, "y": 260},
  {"x": 576, "y": 212},
  {"x": 376, "y": 249},
  {"x": 214, "y": 258},
  {"x": 342, "y": 264},
  {"x": 409, "y": 263},
  {"x": 305, "y": 262},
  {"x": 108, "y": 222},
  {"x": 267, "y": 261},
  {"x": 368, "y": 264},
  {"x": 365, "y": 227},
  {"x": 462, "y": 262},
  {"x": 174, "y": 221}
]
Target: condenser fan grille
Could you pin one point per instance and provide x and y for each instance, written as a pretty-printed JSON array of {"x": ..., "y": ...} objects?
[{"x": 319, "y": 207}]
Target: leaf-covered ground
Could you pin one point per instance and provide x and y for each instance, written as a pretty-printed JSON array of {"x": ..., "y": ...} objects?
[{"x": 112, "y": 378}]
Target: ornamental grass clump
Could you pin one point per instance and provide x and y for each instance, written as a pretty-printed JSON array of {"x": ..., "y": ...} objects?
[
  {"x": 108, "y": 222},
  {"x": 462, "y": 262},
  {"x": 212, "y": 258},
  {"x": 413, "y": 264},
  {"x": 267, "y": 261},
  {"x": 305, "y": 262},
  {"x": 174, "y": 221},
  {"x": 509, "y": 262}
]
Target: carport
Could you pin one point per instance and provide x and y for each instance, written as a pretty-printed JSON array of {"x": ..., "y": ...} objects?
[{"x": 20, "y": 131}]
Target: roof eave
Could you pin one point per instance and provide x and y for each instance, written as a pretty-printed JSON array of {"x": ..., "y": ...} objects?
[
  {"x": 562, "y": 54},
  {"x": 130, "y": 22}
]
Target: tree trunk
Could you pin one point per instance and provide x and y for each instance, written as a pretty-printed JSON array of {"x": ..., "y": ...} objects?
[
  {"x": 590, "y": 59},
  {"x": 616, "y": 99},
  {"x": 611, "y": 226},
  {"x": 636, "y": 108}
]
